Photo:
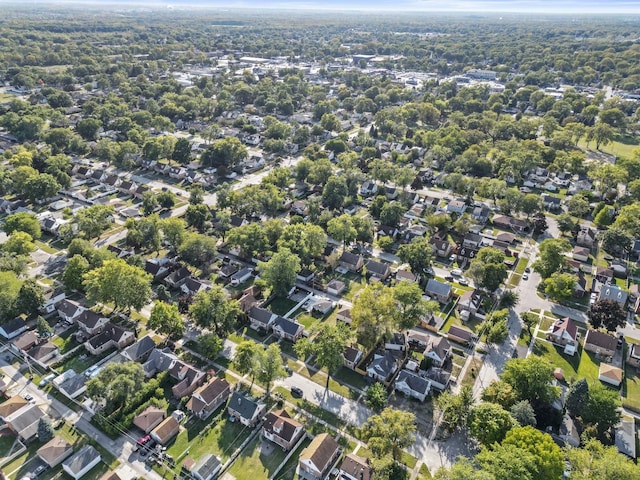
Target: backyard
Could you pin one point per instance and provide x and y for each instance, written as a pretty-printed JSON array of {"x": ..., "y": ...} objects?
[
  {"x": 581, "y": 365},
  {"x": 259, "y": 460}
]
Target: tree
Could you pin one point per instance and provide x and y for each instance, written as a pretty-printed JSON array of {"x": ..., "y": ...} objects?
[
  {"x": 250, "y": 239},
  {"x": 30, "y": 297},
  {"x": 271, "y": 366},
  {"x": 212, "y": 309},
  {"x": 489, "y": 423},
  {"x": 166, "y": 200},
  {"x": 326, "y": 344},
  {"x": 510, "y": 298},
  {"x": 280, "y": 271},
  {"x": 531, "y": 379},
  {"x": 226, "y": 152},
  {"x": 94, "y": 220},
  {"x": 144, "y": 233},
  {"x": 560, "y": 286},
  {"x": 23, "y": 222},
  {"x": 410, "y": 307},
  {"x": 594, "y": 461},
  {"x": 373, "y": 314},
  {"x": 45, "y": 430},
  {"x": 616, "y": 241},
  {"x": 149, "y": 202},
  {"x": 508, "y": 462},
  {"x": 116, "y": 384},
  {"x": 418, "y": 254},
  {"x": 523, "y": 413},
  {"x": 549, "y": 459},
  {"x": 41, "y": 187},
  {"x": 566, "y": 223},
  {"x": 182, "y": 151},
  {"x": 389, "y": 432},
  {"x": 173, "y": 230},
  {"x": 334, "y": 192},
  {"x": 305, "y": 240},
  {"x": 488, "y": 269},
  {"x": 577, "y": 397},
  {"x": 88, "y": 128},
  {"x": 119, "y": 283},
  {"x": 166, "y": 319},
  {"x": 602, "y": 409},
  {"x": 498, "y": 331},
  {"x": 376, "y": 396},
  {"x": 464, "y": 469},
  {"x": 601, "y": 133},
  {"x": 454, "y": 409},
  {"x": 246, "y": 357},
  {"x": 391, "y": 213},
  {"x": 551, "y": 258},
  {"x": 210, "y": 345},
  {"x": 198, "y": 216},
  {"x": 341, "y": 228},
  {"x": 19, "y": 243},
  {"x": 578, "y": 206},
  {"x": 43, "y": 328},
  {"x": 607, "y": 314},
  {"x": 198, "y": 250},
  {"x": 500, "y": 392},
  {"x": 530, "y": 320}
]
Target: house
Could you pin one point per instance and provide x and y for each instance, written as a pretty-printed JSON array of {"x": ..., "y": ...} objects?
[
  {"x": 207, "y": 468},
  {"x": 604, "y": 274},
  {"x": 68, "y": 310},
  {"x": 368, "y": 188},
  {"x": 403, "y": 275},
  {"x": 439, "y": 290},
  {"x": 225, "y": 272},
  {"x": 12, "y": 405},
  {"x": 159, "y": 361},
  {"x": 189, "y": 378},
  {"x": 397, "y": 342},
  {"x": 580, "y": 254},
  {"x": 139, "y": 351},
  {"x": 412, "y": 385},
  {"x": 247, "y": 301},
  {"x": 550, "y": 202},
  {"x": 43, "y": 352},
  {"x": 382, "y": 367},
  {"x": 351, "y": 261},
  {"x": 431, "y": 322},
  {"x": 481, "y": 214},
  {"x": 112, "y": 336},
  {"x": 625, "y": 436},
  {"x": 72, "y": 384},
  {"x": 510, "y": 223},
  {"x": 354, "y": 467},
  {"x": 305, "y": 275},
  {"x": 335, "y": 287},
  {"x": 241, "y": 276},
  {"x": 24, "y": 422},
  {"x": 317, "y": 460},
  {"x": 610, "y": 374},
  {"x": 564, "y": 332},
  {"x": 612, "y": 292},
  {"x": 568, "y": 431},
  {"x": 261, "y": 318},
  {"x": 438, "y": 350},
  {"x": 245, "y": 409},
  {"x": 352, "y": 357},
  {"x": 25, "y": 341},
  {"x": 586, "y": 237},
  {"x": 378, "y": 270},
  {"x": 12, "y": 328},
  {"x": 633, "y": 358},
  {"x": 149, "y": 418},
  {"x": 51, "y": 298},
  {"x": 344, "y": 315},
  {"x": 287, "y": 329},
  {"x": 472, "y": 240},
  {"x": 441, "y": 246},
  {"x": 207, "y": 398},
  {"x": 176, "y": 278},
  {"x": 55, "y": 451},
  {"x": 166, "y": 430},
  {"x": 82, "y": 462},
  {"x": 456, "y": 206},
  {"x": 471, "y": 302},
  {"x": 390, "y": 192},
  {"x": 281, "y": 429},
  {"x": 156, "y": 269},
  {"x": 91, "y": 322},
  {"x": 460, "y": 335},
  {"x": 602, "y": 344},
  {"x": 194, "y": 285},
  {"x": 438, "y": 377}
]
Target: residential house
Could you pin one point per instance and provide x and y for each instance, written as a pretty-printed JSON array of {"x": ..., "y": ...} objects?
[
  {"x": 612, "y": 292},
  {"x": 207, "y": 398},
  {"x": 391, "y": 192},
  {"x": 335, "y": 287},
  {"x": 431, "y": 322},
  {"x": 11, "y": 406},
  {"x": 481, "y": 214},
  {"x": 564, "y": 332},
  {"x": 470, "y": 302},
  {"x": 441, "y": 246},
  {"x": 439, "y": 290},
  {"x": 12, "y": 328},
  {"x": 354, "y": 467},
  {"x": 166, "y": 430},
  {"x": 550, "y": 202},
  {"x": 379, "y": 270},
  {"x": 586, "y": 237},
  {"x": 112, "y": 336},
  {"x": 91, "y": 323},
  {"x": 438, "y": 350},
  {"x": 456, "y": 206},
  {"x": 24, "y": 422},
  {"x": 460, "y": 335},
  {"x": 194, "y": 285},
  {"x": 604, "y": 275},
  {"x": 368, "y": 188},
  {"x": 281, "y": 429},
  {"x": 139, "y": 351},
  {"x": 245, "y": 409},
  {"x": 159, "y": 361},
  {"x": 352, "y": 357},
  {"x": 317, "y": 460},
  {"x": 412, "y": 385},
  {"x": 581, "y": 254},
  {"x": 261, "y": 318},
  {"x": 625, "y": 436},
  {"x": 382, "y": 367},
  {"x": 633, "y": 357},
  {"x": 241, "y": 276},
  {"x": 438, "y": 378},
  {"x": 176, "y": 278},
  {"x": 43, "y": 352},
  {"x": 510, "y": 223},
  {"x": 344, "y": 315},
  {"x": 602, "y": 344},
  {"x": 397, "y": 342},
  {"x": 351, "y": 261},
  {"x": 403, "y": 275},
  {"x": 189, "y": 378},
  {"x": 225, "y": 272},
  {"x": 72, "y": 384},
  {"x": 207, "y": 468},
  {"x": 568, "y": 431},
  {"x": 82, "y": 462},
  {"x": 159, "y": 270},
  {"x": 51, "y": 298},
  {"x": 472, "y": 240},
  {"x": 287, "y": 329},
  {"x": 55, "y": 451},
  {"x": 305, "y": 275},
  {"x": 149, "y": 418},
  {"x": 25, "y": 341},
  {"x": 609, "y": 374}
]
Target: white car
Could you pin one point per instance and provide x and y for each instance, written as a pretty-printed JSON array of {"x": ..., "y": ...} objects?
[
  {"x": 525, "y": 276},
  {"x": 456, "y": 272}
]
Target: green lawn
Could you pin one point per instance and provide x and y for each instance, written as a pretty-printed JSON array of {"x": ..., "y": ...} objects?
[
  {"x": 45, "y": 247},
  {"x": 581, "y": 365},
  {"x": 281, "y": 306},
  {"x": 252, "y": 464},
  {"x": 472, "y": 371},
  {"x": 66, "y": 341},
  {"x": 288, "y": 472},
  {"x": 621, "y": 146},
  {"x": 350, "y": 377},
  {"x": 474, "y": 324},
  {"x": 631, "y": 389},
  {"x": 309, "y": 407},
  {"x": 424, "y": 473}
]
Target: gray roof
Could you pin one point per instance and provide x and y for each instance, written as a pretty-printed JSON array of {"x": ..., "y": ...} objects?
[
  {"x": 261, "y": 315},
  {"x": 383, "y": 365},
  {"x": 24, "y": 418},
  {"x": 207, "y": 466},
  {"x": 350, "y": 258},
  {"x": 288, "y": 326},
  {"x": 14, "y": 325},
  {"x": 379, "y": 268},
  {"x": 415, "y": 383},
  {"x": 73, "y": 384},
  {"x": 438, "y": 288},
  {"x": 159, "y": 361},
  {"x": 84, "y": 457},
  {"x": 140, "y": 348},
  {"x": 245, "y": 406},
  {"x": 625, "y": 434},
  {"x": 611, "y": 292}
]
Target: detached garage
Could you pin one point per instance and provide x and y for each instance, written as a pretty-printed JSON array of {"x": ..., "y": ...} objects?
[
  {"x": 610, "y": 374},
  {"x": 83, "y": 461}
]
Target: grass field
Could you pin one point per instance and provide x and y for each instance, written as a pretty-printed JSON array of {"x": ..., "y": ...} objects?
[
  {"x": 581, "y": 365},
  {"x": 621, "y": 146},
  {"x": 253, "y": 463}
]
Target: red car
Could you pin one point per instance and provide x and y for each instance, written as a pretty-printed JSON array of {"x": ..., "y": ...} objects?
[{"x": 143, "y": 440}]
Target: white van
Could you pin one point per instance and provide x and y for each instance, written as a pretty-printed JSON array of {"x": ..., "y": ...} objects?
[{"x": 456, "y": 272}]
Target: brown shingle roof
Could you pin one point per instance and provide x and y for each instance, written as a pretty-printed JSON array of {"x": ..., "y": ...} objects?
[
  {"x": 51, "y": 451},
  {"x": 168, "y": 429},
  {"x": 149, "y": 418},
  {"x": 12, "y": 405},
  {"x": 320, "y": 451},
  {"x": 280, "y": 420},
  {"x": 602, "y": 340},
  {"x": 357, "y": 467}
]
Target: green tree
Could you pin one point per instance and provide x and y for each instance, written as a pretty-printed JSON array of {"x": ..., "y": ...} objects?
[
  {"x": 45, "y": 430},
  {"x": 463, "y": 469},
  {"x": 577, "y": 397},
  {"x": 245, "y": 358},
  {"x": 280, "y": 271},
  {"x": 212, "y": 309},
  {"x": 530, "y": 320},
  {"x": 166, "y": 200},
  {"x": 578, "y": 206},
  {"x": 198, "y": 250},
  {"x": 19, "y": 243},
  {"x": 149, "y": 202},
  {"x": 488, "y": 269},
  {"x": 166, "y": 319},
  {"x": 549, "y": 459},
  {"x": 602, "y": 409},
  {"x": 566, "y": 223},
  {"x": 226, "y": 152},
  {"x": 271, "y": 366},
  {"x": 507, "y": 462},
  {"x": 326, "y": 344},
  {"x": 500, "y": 392},
  {"x": 531, "y": 379},
  {"x": 389, "y": 432},
  {"x": 373, "y": 314},
  {"x": 74, "y": 271},
  {"x": 560, "y": 286},
  {"x": 30, "y": 297},
  {"x": 117, "y": 282},
  {"x": 615, "y": 241},
  {"x": 376, "y": 396},
  {"x": 489, "y": 423},
  {"x": 43, "y": 328},
  {"x": 88, "y": 128},
  {"x": 341, "y": 228},
  {"x": 607, "y": 314},
  {"x": 144, "y": 233},
  {"x": 594, "y": 461},
  {"x": 335, "y": 192},
  {"x": 250, "y": 239},
  {"x": 551, "y": 258},
  {"x": 94, "y": 220},
  {"x": 173, "y": 231},
  {"x": 182, "y": 151},
  {"x": 210, "y": 345},
  {"x": 23, "y": 222},
  {"x": 410, "y": 307},
  {"x": 198, "y": 216},
  {"x": 116, "y": 384},
  {"x": 418, "y": 254},
  {"x": 41, "y": 187},
  {"x": 523, "y": 413},
  {"x": 305, "y": 240},
  {"x": 454, "y": 409}
]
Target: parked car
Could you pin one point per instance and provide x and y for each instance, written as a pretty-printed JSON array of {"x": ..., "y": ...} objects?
[
  {"x": 297, "y": 392},
  {"x": 463, "y": 282},
  {"x": 525, "y": 276},
  {"x": 448, "y": 278},
  {"x": 527, "y": 270},
  {"x": 456, "y": 272},
  {"x": 28, "y": 398},
  {"x": 40, "y": 470},
  {"x": 45, "y": 381}
]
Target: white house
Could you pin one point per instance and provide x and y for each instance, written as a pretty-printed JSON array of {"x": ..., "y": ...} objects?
[
  {"x": 79, "y": 465},
  {"x": 412, "y": 385}
]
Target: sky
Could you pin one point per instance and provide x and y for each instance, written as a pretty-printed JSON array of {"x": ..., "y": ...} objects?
[{"x": 506, "y": 6}]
